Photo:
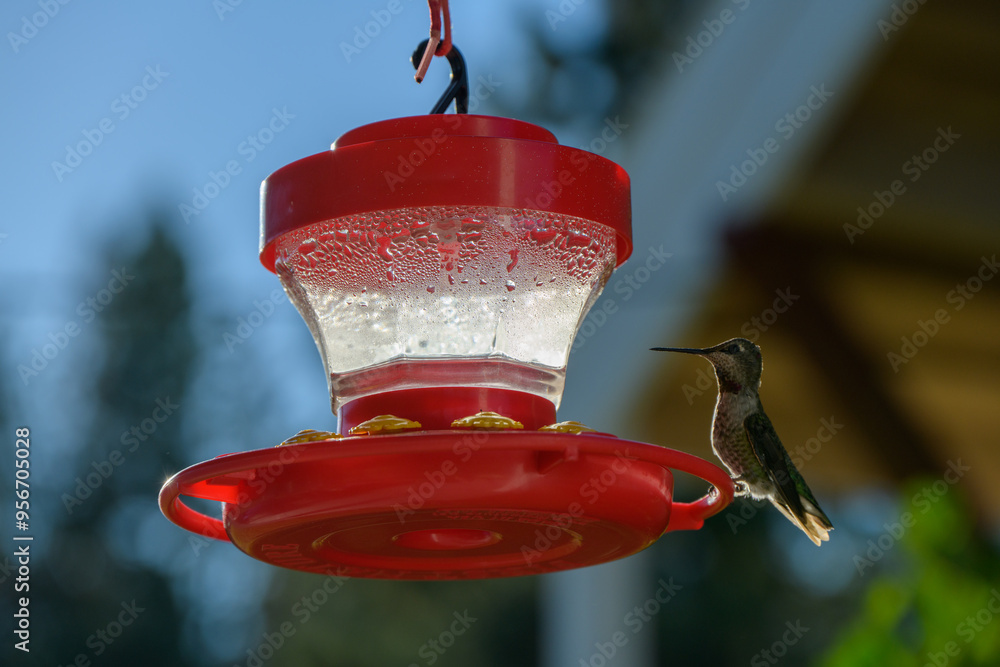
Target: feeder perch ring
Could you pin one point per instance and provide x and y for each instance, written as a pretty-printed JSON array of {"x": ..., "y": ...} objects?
[{"x": 446, "y": 504}]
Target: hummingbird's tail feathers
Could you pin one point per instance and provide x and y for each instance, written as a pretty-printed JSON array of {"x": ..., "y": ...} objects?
[
  {"x": 816, "y": 514},
  {"x": 818, "y": 521},
  {"x": 812, "y": 521}
]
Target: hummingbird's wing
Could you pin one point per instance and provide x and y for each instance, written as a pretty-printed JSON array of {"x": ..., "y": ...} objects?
[
  {"x": 771, "y": 454},
  {"x": 792, "y": 495}
]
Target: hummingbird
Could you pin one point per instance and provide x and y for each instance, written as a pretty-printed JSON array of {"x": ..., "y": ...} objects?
[{"x": 746, "y": 442}]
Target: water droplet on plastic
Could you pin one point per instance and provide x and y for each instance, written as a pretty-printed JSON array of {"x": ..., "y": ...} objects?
[
  {"x": 383, "y": 248},
  {"x": 510, "y": 285},
  {"x": 513, "y": 260},
  {"x": 543, "y": 235}
]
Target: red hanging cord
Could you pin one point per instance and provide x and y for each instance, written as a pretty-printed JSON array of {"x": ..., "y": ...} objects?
[
  {"x": 446, "y": 44},
  {"x": 435, "y": 46}
]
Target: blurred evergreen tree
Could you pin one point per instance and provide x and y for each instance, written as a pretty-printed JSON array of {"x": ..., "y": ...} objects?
[
  {"x": 94, "y": 604},
  {"x": 581, "y": 80}
]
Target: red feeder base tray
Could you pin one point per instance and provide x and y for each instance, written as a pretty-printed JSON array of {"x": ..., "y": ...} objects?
[{"x": 450, "y": 504}]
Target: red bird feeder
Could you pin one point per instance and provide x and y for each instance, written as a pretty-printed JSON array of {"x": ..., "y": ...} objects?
[{"x": 443, "y": 264}]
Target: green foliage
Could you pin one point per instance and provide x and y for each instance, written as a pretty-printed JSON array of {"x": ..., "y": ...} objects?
[{"x": 940, "y": 605}]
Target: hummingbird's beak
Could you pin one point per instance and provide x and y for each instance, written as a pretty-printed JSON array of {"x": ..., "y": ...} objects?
[{"x": 685, "y": 350}]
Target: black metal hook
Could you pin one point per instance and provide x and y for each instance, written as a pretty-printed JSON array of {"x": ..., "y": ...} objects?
[{"x": 458, "y": 89}]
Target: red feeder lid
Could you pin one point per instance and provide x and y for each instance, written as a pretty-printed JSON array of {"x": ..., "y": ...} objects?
[
  {"x": 445, "y": 160},
  {"x": 446, "y": 504}
]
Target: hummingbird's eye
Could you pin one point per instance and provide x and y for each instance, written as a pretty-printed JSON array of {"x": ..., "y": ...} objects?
[{"x": 733, "y": 349}]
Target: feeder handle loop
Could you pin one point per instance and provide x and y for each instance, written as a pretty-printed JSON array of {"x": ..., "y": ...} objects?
[
  {"x": 691, "y": 516},
  {"x": 174, "y": 509},
  {"x": 458, "y": 89}
]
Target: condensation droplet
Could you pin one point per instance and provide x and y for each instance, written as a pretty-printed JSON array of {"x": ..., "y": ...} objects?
[
  {"x": 510, "y": 285},
  {"x": 513, "y": 260},
  {"x": 383, "y": 248}
]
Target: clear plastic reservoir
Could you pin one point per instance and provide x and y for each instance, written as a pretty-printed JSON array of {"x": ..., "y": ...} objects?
[{"x": 445, "y": 296}]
